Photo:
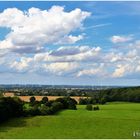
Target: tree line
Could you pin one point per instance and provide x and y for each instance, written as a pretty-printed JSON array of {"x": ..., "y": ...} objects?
[
  {"x": 11, "y": 107},
  {"x": 128, "y": 94}
]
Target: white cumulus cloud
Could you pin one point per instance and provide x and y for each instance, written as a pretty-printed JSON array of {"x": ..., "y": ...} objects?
[
  {"x": 60, "y": 68},
  {"x": 33, "y": 29}
]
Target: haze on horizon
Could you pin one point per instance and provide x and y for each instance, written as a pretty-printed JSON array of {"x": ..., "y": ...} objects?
[{"x": 70, "y": 43}]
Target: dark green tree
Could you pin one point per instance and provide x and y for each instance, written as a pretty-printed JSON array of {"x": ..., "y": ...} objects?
[
  {"x": 44, "y": 100},
  {"x": 32, "y": 100}
]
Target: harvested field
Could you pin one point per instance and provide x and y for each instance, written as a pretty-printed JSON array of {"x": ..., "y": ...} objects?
[{"x": 38, "y": 98}]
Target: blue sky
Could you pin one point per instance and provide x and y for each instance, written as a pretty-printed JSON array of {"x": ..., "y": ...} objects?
[{"x": 74, "y": 43}]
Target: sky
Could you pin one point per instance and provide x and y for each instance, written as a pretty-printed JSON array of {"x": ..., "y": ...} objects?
[{"x": 70, "y": 43}]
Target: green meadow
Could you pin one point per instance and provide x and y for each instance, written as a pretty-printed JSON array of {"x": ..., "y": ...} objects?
[{"x": 113, "y": 120}]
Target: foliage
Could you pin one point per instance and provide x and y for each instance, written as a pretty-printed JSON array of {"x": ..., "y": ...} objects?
[
  {"x": 56, "y": 106},
  {"x": 49, "y": 103},
  {"x": 68, "y": 103},
  {"x": 44, "y": 100},
  {"x": 96, "y": 108},
  {"x": 102, "y": 101},
  {"x": 83, "y": 101},
  {"x": 44, "y": 110},
  {"x": 128, "y": 94},
  {"x": 32, "y": 100},
  {"x": 10, "y": 107},
  {"x": 33, "y": 111},
  {"x": 89, "y": 107},
  {"x": 89, "y": 100},
  {"x": 14, "y": 107}
]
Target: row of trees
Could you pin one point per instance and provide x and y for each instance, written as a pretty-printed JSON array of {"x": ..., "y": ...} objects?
[
  {"x": 13, "y": 107},
  {"x": 128, "y": 94},
  {"x": 45, "y": 107},
  {"x": 92, "y": 100}
]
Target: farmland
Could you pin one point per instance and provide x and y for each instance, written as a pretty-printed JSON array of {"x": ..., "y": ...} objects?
[
  {"x": 38, "y": 98},
  {"x": 113, "y": 120}
]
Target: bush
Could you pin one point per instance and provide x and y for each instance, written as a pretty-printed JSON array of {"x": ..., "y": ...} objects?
[
  {"x": 14, "y": 107},
  {"x": 49, "y": 103},
  {"x": 48, "y": 111},
  {"x": 96, "y": 108},
  {"x": 85, "y": 101},
  {"x": 44, "y": 100},
  {"x": 73, "y": 100},
  {"x": 71, "y": 105},
  {"x": 67, "y": 102},
  {"x": 36, "y": 104},
  {"x": 10, "y": 107},
  {"x": 44, "y": 110},
  {"x": 33, "y": 111},
  {"x": 89, "y": 107},
  {"x": 56, "y": 106},
  {"x": 32, "y": 100},
  {"x": 63, "y": 101}
]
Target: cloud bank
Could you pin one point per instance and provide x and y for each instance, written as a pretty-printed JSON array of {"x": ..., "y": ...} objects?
[{"x": 25, "y": 49}]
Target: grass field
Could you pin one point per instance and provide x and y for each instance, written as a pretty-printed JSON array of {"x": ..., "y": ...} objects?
[{"x": 114, "y": 120}]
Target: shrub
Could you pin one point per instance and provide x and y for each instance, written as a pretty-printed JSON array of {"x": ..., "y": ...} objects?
[
  {"x": 49, "y": 103},
  {"x": 71, "y": 105},
  {"x": 44, "y": 100},
  {"x": 56, "y": 106},
  {"x": 10, "y": 107},
  {"x": 63, "y": 101},
  {"x": 33, "y": 111},
  {"x": 44, "y": 110},
  {"x": 85, "y": 101},
  {"x": 72, "y": 100},
  {"x": 89, "y": 107},
  {"x": 96, "y": 108},
  {"x": 32, "y": 100},
  {"x": 36, "y": 103},
  {"x": 50, "y": 111},
  {"x": 67, "y": 102}
]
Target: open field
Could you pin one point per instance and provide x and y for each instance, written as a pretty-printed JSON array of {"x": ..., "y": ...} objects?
[{"x": 114, "y": 120}]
